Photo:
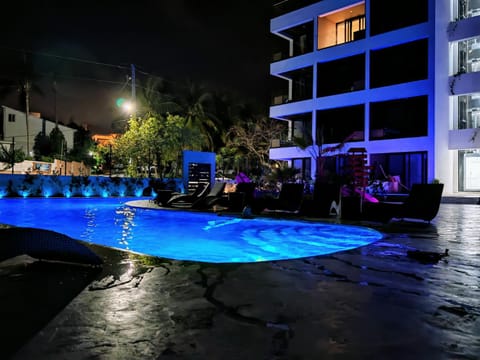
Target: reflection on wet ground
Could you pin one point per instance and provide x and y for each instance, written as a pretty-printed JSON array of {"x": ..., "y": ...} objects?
[{"x": 374, "y": 302}]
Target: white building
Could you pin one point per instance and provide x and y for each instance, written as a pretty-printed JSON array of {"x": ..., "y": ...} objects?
[
  {"x": 401, "y": 80},
  {"x": 13, "y": 127}
]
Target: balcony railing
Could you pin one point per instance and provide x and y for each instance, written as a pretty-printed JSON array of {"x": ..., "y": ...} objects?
[{"x": 279, "y": 143}]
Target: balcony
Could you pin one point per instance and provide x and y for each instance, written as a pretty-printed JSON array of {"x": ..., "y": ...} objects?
[
  {"x": 295, "y": 41},
  {"x": 296, "y": 131},
  {"x": 296, "y": 85}
]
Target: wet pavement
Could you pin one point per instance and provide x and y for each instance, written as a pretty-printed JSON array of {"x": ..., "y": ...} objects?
[{"x": 375, "y": 302}]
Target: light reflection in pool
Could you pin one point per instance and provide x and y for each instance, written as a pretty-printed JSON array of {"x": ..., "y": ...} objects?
[{"x": 183, "y": 235}]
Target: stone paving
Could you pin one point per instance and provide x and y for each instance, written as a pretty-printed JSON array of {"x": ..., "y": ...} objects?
[{"x": 374, "y": 302}]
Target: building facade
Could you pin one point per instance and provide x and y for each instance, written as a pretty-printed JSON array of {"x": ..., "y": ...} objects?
[
  {"x": 400, "y": 80},
  {"x": 13, "y": 129}
]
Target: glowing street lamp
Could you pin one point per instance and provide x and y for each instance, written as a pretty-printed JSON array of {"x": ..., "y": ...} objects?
[
  {"x": 126, "y": 105},
  {"x": 129, "y": 107}
]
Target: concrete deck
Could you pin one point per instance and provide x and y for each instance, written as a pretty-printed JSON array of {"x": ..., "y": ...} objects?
[{"x": 374, "y": 302}]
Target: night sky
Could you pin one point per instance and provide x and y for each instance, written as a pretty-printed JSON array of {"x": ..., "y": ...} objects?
[{"x": 223, "y": 44}]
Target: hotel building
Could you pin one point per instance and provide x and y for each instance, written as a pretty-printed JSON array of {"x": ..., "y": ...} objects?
[{"x": 401, "y": 80}]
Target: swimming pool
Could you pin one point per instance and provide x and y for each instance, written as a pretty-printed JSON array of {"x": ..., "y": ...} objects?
[{"x": 183, "y": 235}]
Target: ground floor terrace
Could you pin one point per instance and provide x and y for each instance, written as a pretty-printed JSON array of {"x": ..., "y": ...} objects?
[{"x": 374, "y": 302}]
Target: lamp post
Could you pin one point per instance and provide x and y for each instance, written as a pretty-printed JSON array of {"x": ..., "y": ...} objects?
[{"x": 134, "y": 95}]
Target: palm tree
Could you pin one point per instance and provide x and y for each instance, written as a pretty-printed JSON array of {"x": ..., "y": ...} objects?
[
  {"x": 24, "y": 83},
  {"x": 9, "y": 156},
  {"x": 230, "y": 110},
  {"x": 155, "y": 97},
  {"x": 198, "y": 110}
]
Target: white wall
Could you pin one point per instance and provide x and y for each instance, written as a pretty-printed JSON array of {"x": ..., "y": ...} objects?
[{"x": 18, "y": 129}]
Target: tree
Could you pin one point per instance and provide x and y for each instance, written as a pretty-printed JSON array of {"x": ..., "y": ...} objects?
[
  {"x": 57, "y": 142},
  {"x": 83, "y": 145},
  {"x": 318, "y": 151},
  {"x": 198, "y": 110},
  {"x": 155, "y": 98},
  {"x": 139, "y": 144},
  {"x": 10, "y": 156},
  {"x": 253, "y": 139},
  {"x": 41, "y": 146},
  {"x": 24, "y": 82}
]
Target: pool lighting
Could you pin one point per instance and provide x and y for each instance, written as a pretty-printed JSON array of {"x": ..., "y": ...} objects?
[{"x": 184, "y": 235}]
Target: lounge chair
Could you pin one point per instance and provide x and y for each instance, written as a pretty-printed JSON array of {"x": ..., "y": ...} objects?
[
  {"x": 244, "y": 195},
  {"x": 422, "y": 203},
  {"x": 186, "y": 200},
  {"x": 200, "y": 199},
  {"x": 289, "y": 200},
  {"x": 215, "y": 194}
]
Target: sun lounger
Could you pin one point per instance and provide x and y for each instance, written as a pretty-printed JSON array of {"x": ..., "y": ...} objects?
[
  {"x": 289, "y": 199},
  {"x": 422, "y": 203}
]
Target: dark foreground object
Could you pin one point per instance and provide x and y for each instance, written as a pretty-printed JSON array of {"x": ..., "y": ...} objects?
[
  {"x": 44, "y": 245},
  {"x": 33, "y": 293}
]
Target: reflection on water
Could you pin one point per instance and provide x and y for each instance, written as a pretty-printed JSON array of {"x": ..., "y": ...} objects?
[{"x": 124, "y": 218}]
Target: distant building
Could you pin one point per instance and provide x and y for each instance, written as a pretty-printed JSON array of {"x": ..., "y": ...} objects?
[
  {"x": 105, "y": 139},
  {"x": 13, "y": 127},
  {"x": 400, "y": 79}
]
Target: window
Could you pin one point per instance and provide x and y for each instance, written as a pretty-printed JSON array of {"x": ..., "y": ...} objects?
[
  {"x": 399, "y": 118},
  {"x": 469, "y": 170},
  {"x": 411, "y": 167},
  {"x": 351, "y": 29},
  {"x": 469, "y": 111},
  {"x": 341, "y": 76},
  {"x": 300, "y": 37},
  {"x": 335, "y": 125},
  {"x": 469, "y": 55},
  {"x": 473, "y": 8},
  {"x": 301, "y": 82},
  {"x": 303, "y": 165},
  {"x": 387, "y": 16},
  {"x": 345, "y": 25},
  {"x": 296, "y": 130},
  {"x": 467, "y": 8},
  {"x": 11, "y": 117},
  {"x": 399, "y": 64}
]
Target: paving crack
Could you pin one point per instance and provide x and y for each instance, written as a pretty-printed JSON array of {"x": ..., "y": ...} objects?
[
  {"x": 110, "y": 282},
  {"x": 321, "y": 270},
  {"x": 285, "y": 332},
  {"x": 362, "y": 267}
]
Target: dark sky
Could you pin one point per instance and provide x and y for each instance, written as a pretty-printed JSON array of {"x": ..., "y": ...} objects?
[{"x": 220, "y": 43}]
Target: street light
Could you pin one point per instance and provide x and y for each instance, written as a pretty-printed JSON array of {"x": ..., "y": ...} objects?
[{"x": 127, "y": 106}]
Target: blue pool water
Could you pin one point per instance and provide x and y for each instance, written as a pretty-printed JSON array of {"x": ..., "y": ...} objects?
[{"x": 183, "y": 235}]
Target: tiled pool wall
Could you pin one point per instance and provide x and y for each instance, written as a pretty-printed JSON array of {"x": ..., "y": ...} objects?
[{"x": 17, "y": 185}]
